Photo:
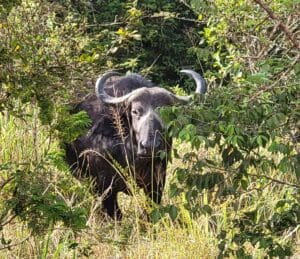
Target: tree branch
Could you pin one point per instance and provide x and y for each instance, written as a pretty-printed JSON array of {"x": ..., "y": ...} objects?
[
  {"x": 7, "y": 221},
  {"x": 281, "y": 74},
  {"x": 282, "y": 26},
  {"x": 276, "y": 180},
  {"x": 16, "y": 244}
]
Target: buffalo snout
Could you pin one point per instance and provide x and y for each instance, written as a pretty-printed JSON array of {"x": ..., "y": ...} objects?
[{"x": 149, "y": 147}]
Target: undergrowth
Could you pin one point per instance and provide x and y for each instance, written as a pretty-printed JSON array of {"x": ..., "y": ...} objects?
[
  {"x": 187, "y": 235},
  {"x": 233, "y": 184}
]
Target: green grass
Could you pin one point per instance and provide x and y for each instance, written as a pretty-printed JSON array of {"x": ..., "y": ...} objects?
[{"x": 26, "y": 141}]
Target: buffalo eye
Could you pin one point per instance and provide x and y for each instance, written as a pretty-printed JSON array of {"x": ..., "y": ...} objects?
[
  {"x": 137, "y": 112},
  {"x": 134, "y": 112}
]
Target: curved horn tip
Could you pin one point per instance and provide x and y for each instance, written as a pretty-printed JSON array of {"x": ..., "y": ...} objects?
[
  {"x": 200, "y": 81},
  {"x": 103, "y": 96},
  {"x": 185, "y": 70},
  {"x": 105, "y": 76},
  {"x": 99, "y": 86},
  {"x": 190, "y": 72}
]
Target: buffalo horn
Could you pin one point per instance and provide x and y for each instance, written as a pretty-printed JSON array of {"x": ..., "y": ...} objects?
[{"x": 100, "y": 92}]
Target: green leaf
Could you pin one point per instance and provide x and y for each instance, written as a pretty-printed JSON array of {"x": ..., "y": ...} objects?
[
  {"x": 173, "y": 212},
  {"x": 230, "y": 155},
  {"x": 262, "y": 140},
  {"x": 174, "y": 190},
  {"x": 207, "y": 209},
  {"x": 156, "y": 215},
  {"x": 279, "y": 148},
  {"x": 284, "y": 165},
  {"x": 259, "y": 78},
  {"x": 244, "y": 184}
]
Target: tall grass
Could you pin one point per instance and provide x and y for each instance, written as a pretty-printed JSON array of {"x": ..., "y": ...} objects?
[{"x": 25, "y": 140}]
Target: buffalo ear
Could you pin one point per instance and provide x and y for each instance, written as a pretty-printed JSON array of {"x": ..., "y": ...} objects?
[{"x": 160, "y": 100}]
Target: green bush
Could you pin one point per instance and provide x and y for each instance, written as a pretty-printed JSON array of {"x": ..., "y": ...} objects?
[{"x": 237, "y": 147}]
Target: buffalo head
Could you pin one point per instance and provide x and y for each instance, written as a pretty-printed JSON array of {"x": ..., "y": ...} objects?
[{"x": 141, "y": 104}]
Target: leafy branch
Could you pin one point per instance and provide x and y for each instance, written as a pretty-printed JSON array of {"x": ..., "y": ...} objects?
[
  {"x": 275, "y": 180},
  {"x": 281, "y": 75},
  {"x": 281, "y": 25}
]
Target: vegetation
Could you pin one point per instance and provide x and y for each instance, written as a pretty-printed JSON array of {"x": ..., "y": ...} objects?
[{"x": 234, "y": 181}]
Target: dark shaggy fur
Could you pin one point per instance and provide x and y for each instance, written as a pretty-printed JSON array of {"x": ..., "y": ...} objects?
[{"x": 109, "y": 143}]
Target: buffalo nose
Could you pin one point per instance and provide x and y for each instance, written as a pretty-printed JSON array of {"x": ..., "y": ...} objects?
[
  {"x": 147, "y": 147},
  {"x": 150, "y": 144},
  {"x": 141, "y": 151}
]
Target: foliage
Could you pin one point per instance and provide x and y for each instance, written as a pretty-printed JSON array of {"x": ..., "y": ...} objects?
[
  {"x": 252, "y": 122},
  {"x": 28, "y": 187},
  {"x": 40, "y": 46},
  {"x": 72, "y": 126},
  {"x": 235, "y": 185},
  {"x": 142, "y": 35}
]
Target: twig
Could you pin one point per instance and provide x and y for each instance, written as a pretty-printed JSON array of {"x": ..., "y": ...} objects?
[
  {"x": 276, "y": 180},
  {"x": 106, "y": 24},
  {"x": 266, "y": 88},
  {"x": 7, "y": 221},
  {"x": 16, "y": 244},
  {"x": 5, "y": 182},
  {"x": 282, "y": 26},
  {"x": 259, "y": 176},
  {"x": 267, "y": 47},
  {"x": 291, "y": 233},
  {"x": 188, "y": 6}
]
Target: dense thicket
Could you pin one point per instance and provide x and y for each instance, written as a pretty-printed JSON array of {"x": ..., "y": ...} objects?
[{"x": 244, "y": 135}]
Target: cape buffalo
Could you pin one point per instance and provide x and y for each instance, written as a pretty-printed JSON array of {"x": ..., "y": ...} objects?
[{"x": 126, "y": 132}]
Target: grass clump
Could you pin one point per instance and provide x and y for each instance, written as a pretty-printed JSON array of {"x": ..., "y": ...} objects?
[{"x": 46, "y": 213}]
